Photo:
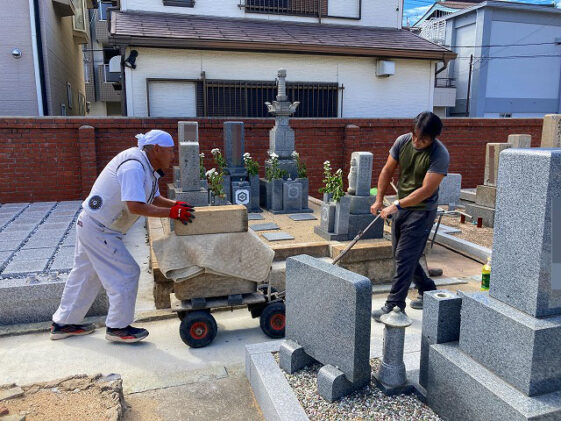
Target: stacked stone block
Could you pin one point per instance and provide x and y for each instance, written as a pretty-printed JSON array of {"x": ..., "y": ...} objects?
[{"x": 506, "y": 364}]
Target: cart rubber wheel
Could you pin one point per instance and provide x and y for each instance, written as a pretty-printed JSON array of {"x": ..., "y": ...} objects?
[
  {"x": 263, "y": 288},
  {"x": 198, "y": 329},
  {"x": 273, "y": 320}
]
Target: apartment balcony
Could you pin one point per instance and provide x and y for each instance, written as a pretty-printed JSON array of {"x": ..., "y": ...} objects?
[
  {"x": 107, "y": 92},
  {"x": 444, "y": 92},
  {"x": 100, "y": 29}
]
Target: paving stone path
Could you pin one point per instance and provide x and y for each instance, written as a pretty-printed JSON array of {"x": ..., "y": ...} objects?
[{"x": 37, "y": 238}]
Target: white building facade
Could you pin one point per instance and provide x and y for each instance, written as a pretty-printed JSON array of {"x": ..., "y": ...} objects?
[{"x": 346, "y": 58}]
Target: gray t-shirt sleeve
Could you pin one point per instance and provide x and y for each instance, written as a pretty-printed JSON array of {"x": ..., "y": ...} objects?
[
  {"x": 398, "y": 144},
  {"x": 440, "y": 159}
]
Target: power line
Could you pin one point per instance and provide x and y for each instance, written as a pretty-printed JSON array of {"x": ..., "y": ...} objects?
[
  {"x": 503, "y": 45},
  {"x": 508, "y": 57}
]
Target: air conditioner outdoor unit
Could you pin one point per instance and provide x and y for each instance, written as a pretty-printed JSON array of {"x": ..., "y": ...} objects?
[{"x": 385, "y": 68}]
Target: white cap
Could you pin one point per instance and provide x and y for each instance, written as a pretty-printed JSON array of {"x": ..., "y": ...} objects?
[{"x": 155, "y": 137}]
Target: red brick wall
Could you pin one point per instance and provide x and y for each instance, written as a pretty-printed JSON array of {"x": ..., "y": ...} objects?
[{"x": 47, "y": 159}]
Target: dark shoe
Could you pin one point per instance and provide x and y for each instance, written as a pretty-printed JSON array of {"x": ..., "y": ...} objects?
[
  {"x": 127, "y": 334},
  {"x": 376, "y": 314},
  {"x": 64, "y": 331},
  {"x": 417, "y": 304},
  {"x": 435, "y": 272}
]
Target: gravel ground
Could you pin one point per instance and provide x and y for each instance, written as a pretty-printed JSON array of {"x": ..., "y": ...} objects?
[
  {"x": 482, "y": 236},
  {"x": 367, "y": 404}
]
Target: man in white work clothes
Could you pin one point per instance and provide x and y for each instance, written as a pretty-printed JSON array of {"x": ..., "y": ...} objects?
[{"x": 126, "y": 189}]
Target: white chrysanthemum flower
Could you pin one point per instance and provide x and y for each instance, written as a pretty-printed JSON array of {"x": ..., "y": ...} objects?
[
  {"x": 201, "y": 155},
  {"x": 210, "y": 172},
  {"x": 327, "y": 164},
  {"x": 274, "y": 155},
  {"x": 247, "y": 155},
  {"x": 339, "y": 171},
  {"x": 295, "y": 154},
  {"x": 215, "y": 151}
]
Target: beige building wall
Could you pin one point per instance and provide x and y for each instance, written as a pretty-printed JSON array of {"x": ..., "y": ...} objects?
[
  {"x": 63, "y": 59},
  {"x": 18, "y": 94}
]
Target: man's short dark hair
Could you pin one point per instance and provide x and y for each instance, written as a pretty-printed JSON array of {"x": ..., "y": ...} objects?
[{"x": 427, "y": 124}]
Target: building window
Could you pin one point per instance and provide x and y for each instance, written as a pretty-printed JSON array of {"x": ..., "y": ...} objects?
[
  {"x": 103, "y": 12},
  {"x": 287, "y": 7},
  {"x": 230, "y": 98},
  {"x": 79, "y": 18},
  {"x": 179, "y": 3},
  {"x": 505, "y": 115},
  {"x": 69, "y": 94}
]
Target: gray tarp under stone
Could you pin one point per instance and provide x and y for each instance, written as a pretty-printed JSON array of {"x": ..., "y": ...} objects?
[{"x": 240, "y": 255}]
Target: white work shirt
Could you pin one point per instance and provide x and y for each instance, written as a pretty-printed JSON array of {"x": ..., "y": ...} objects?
[{"x": 131, "y": 178}]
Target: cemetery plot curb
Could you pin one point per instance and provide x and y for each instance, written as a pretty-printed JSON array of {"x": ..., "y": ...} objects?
[
  {"x": 473, "y": 250},
  {"x": 272, "y": 391}
]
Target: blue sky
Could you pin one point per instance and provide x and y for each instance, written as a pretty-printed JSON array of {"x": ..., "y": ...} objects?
[{"x": 414, "y": 9}]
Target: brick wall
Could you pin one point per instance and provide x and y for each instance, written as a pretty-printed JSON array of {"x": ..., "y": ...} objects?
[{"x": 47, "y": 159}]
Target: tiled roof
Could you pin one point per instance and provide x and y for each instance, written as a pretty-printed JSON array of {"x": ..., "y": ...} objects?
[{"x": 188, "y": 31}]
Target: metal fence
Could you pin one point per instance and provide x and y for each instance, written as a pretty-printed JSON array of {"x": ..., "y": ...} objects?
[
  {"x": 287, "y": 7},
  {"x": 444, "y": 82},
  {"x": 231, "y": 98}
]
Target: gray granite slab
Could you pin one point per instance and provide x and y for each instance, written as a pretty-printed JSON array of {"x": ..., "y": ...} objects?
[
  {"x": 342, "y": 213},
  {"x": 477, "y": 211},
  {"x": 34, "y": 254},
  {"x": 264, "y": 227},
  {"x": 4, "y": 255},
  {"x": 358, "y": 223},
  {"x": 9, "y": 245},
  {"x": 14, "y": 235},
  {"x": 302, "y": 217},
  {"x": 64, "y": 259},
  {"x": 292, "y": 196},
  {"x": 18, "y": 267},
  {"x": 328, "y": 314},
  {"x": 360, "y": 205},
  {"x": 449, "y": 189},
  {"x": 441, "y": 324},
  {"x": 277, "y": 236},
  {"x": 492, "y": 330},
  {"x": 41, "y": 242},
  {"x": 459, "y": 388},
  {"x": 524, "y": 253},
  {"x": 20, "y": 226},
  {"x": 254, "y": 217},
  {"x": 37, "y": 302},
  {"x": 486, "y": 196},
  {"x": 69, "y": 241}
]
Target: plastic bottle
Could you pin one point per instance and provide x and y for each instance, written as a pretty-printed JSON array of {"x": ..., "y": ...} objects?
[{"x": 486, "y": 275}]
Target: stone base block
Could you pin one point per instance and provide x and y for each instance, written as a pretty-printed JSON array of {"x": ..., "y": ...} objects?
[
  {"x": 330, "y": 236},
  {"x": 333, "y": 385},
  {"x": 208, "y": 285},
  {"x": 516, "y": 346},
  {"x": 378, "y": 271},
  {"x": 292, "y": 357},
  {"x": 468, "y": 195},
  {"x": 195, "y": 198},
  {"x": 360, "y": 205},
  {"x": 215, "y": 220},
  {"x": 441, "y": 324},
  {"x": 459, "y": 388},
  {"x": 359, "y": 222},
  {"x": 286, "y": 212},
  {"x": 38, "y": 302},
  {"x": 407, "y": 388},
  {"x": 477, "y": 211},
  {"x": 486, "y": 196}
]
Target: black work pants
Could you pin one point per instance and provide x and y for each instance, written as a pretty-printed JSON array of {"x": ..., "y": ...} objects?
[{"x": 410, "y": 232}]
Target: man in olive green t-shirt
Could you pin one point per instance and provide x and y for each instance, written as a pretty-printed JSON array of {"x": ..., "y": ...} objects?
[{"x": 423, "y": 162}]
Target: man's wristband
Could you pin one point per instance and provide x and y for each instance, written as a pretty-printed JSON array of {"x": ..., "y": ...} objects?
[{"x": 396, "y": 204}]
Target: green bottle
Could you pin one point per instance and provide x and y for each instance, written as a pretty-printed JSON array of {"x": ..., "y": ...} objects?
[{"x": 486, "y": 275}]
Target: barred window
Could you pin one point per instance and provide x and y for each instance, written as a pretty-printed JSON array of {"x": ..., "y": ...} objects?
[
  {"x": 287, "y": 7},
  {"x": 230, "y": 98}
]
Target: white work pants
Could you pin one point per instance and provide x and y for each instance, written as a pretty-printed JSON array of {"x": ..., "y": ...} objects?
[{"x": 100, "y": 260}]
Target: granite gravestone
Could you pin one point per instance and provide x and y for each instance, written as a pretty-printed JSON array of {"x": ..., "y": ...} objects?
[
  {"x": 551, "y": 133},
  {"x": 360, "y": 175},
  {"x": 188, "y": 173},
  {"x": 508, "y": 338},
  {"x": 450, "y": 189},
  {"x": 327, "y": 320},
  {"x": 520, "y": 140}
]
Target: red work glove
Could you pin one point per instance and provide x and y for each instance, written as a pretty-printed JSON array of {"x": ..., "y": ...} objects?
[
  {"x": 182, "y": 213},
  {"x": 185, "y": 204}
]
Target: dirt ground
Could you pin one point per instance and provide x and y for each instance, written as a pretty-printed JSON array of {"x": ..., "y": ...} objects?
[
  {"x": 482, "y": 236},
  {"x": 80, "y": 398}
]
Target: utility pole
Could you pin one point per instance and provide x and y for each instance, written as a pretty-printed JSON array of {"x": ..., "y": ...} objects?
[{"x": 469, "y": 84}]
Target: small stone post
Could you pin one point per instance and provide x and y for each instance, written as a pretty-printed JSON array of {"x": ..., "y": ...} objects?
[{"x": 391, "y": 376}]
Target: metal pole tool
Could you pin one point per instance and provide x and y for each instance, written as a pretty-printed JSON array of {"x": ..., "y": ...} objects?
[{"x": 355, "y": 240}]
